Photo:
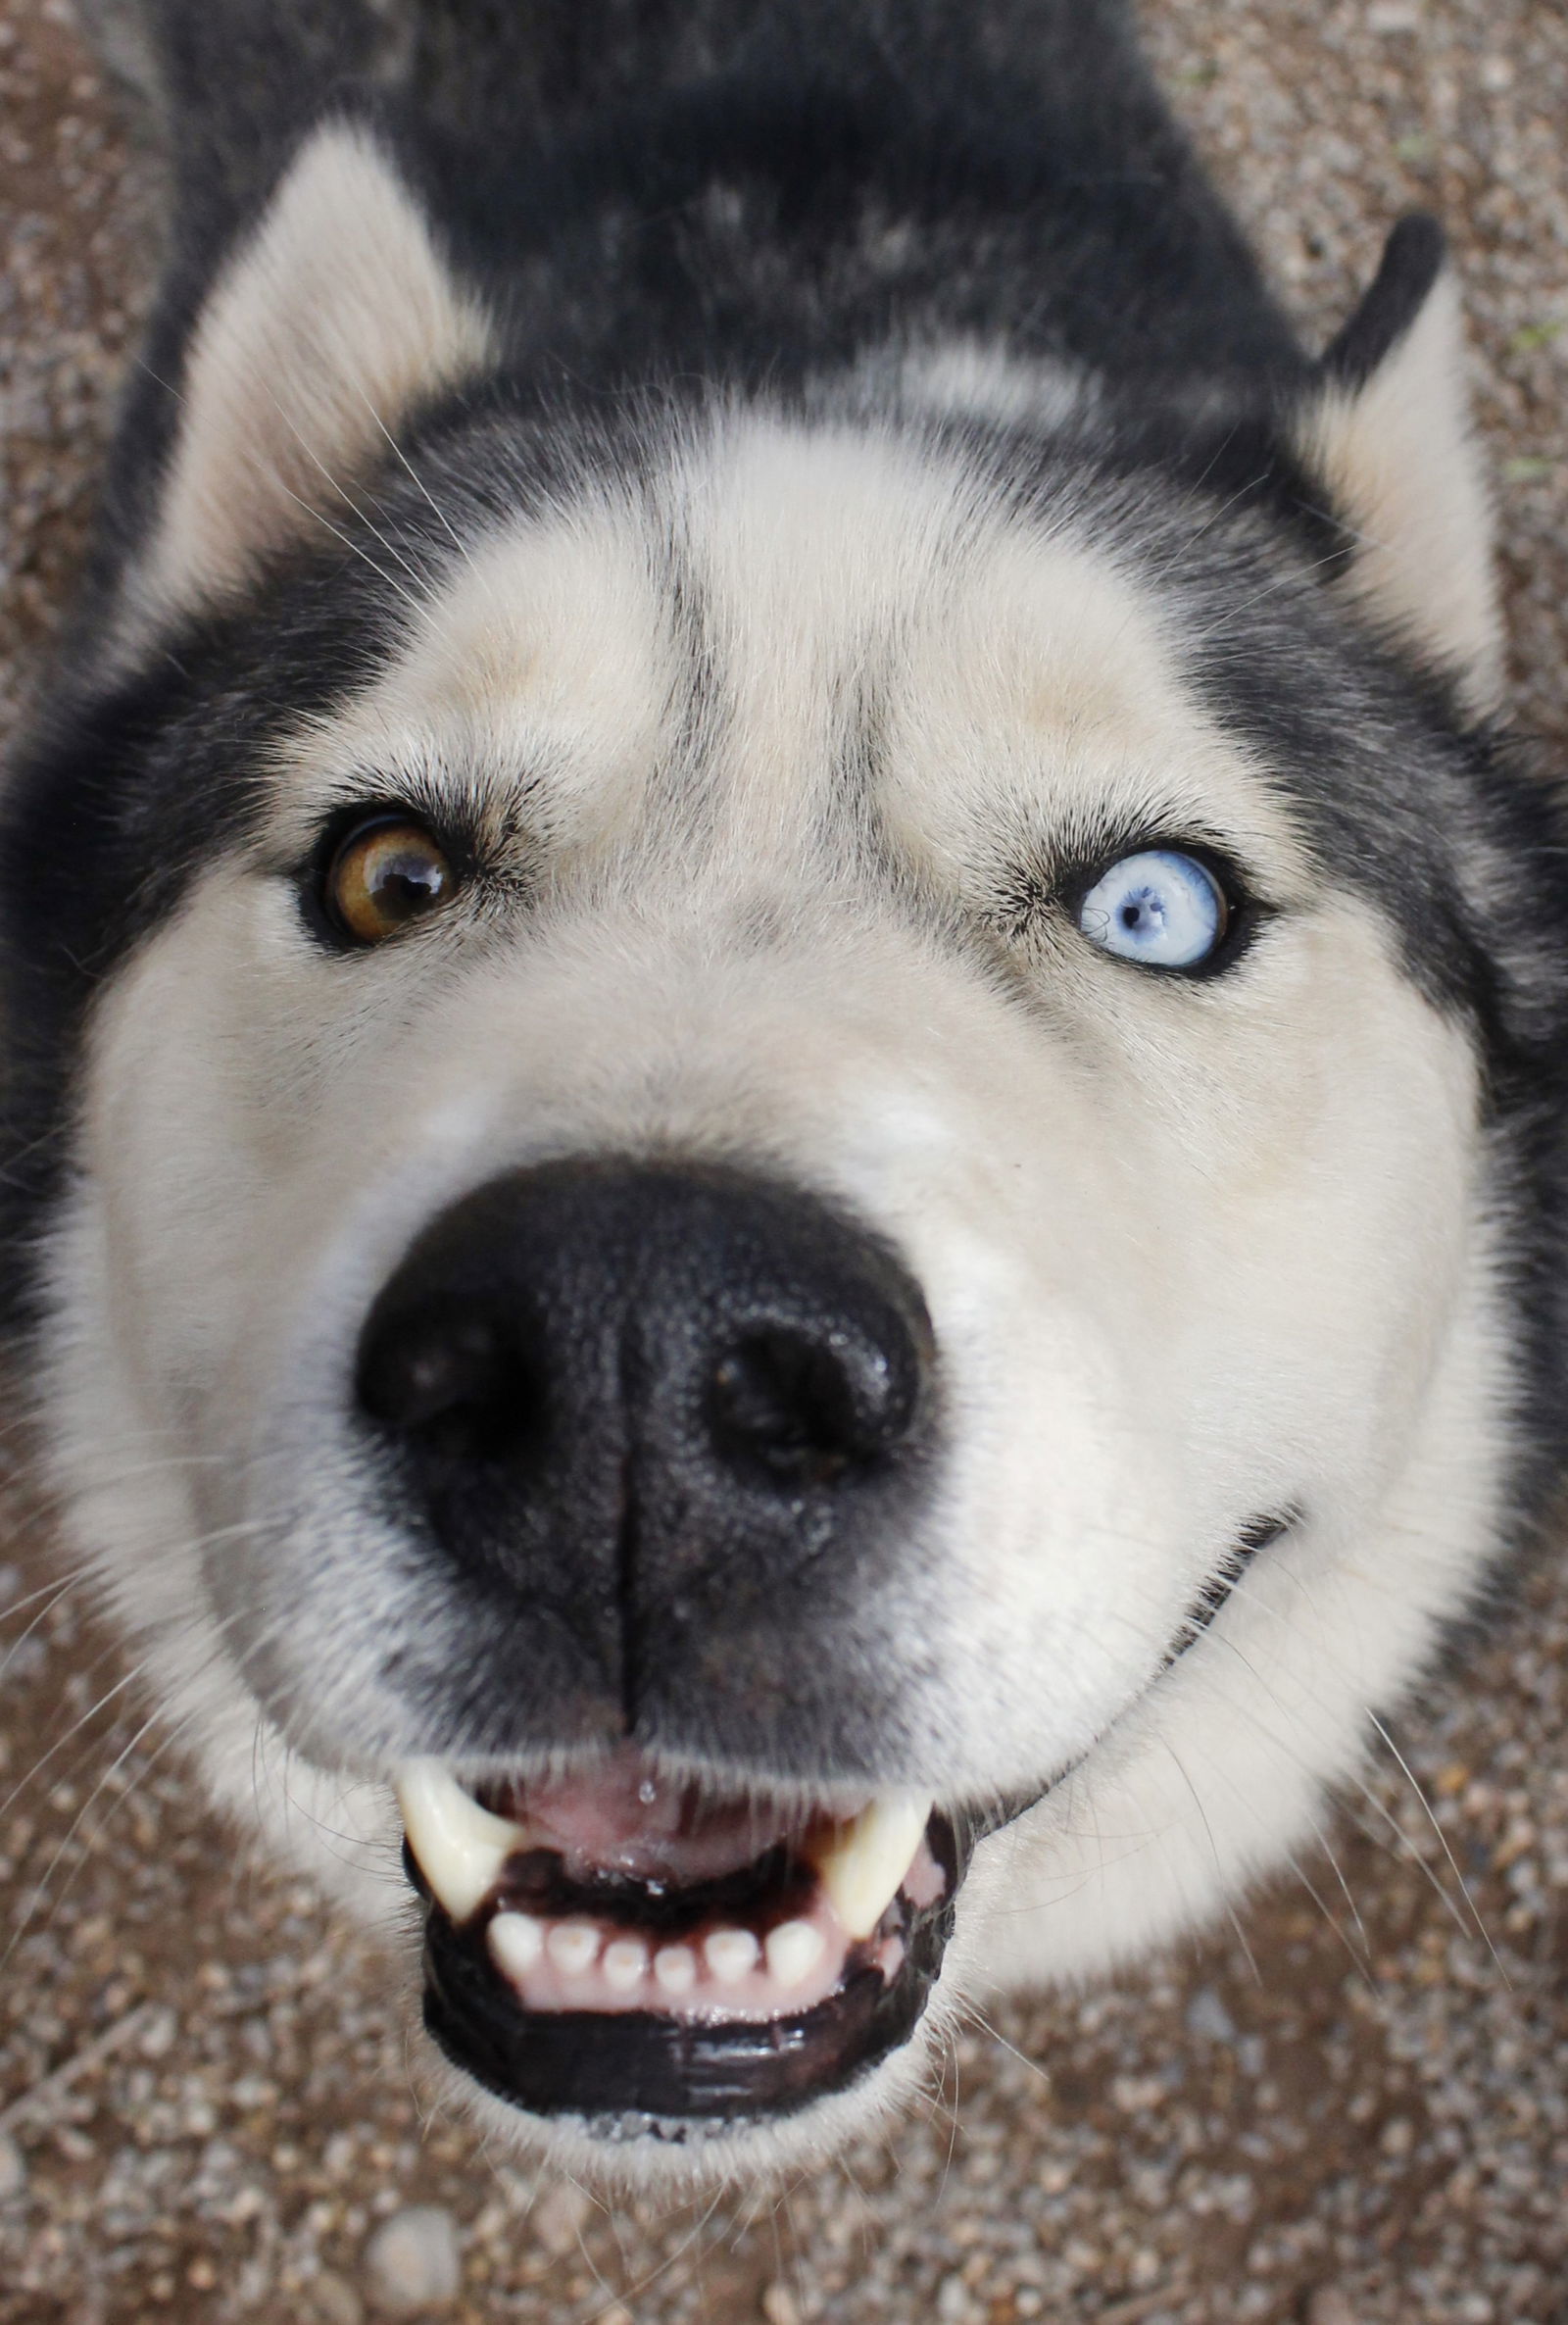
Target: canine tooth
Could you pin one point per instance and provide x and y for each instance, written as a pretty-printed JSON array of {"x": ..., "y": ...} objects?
[
  {"x": 624, "y": 1963},
  {"x": 864, "y": 1861},
  {"x": 675, "y": 1968},
  {"x": 794, "y": 1949},
  {"x": 730, "y": 1953},
  {"x": 516, "y": 1942},
  {"x": 573, "y": 1947},
  {"x": 459, "y": 1847}
]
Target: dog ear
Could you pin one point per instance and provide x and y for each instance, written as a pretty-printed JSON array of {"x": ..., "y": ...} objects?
[
  {"x": 1389, "y": 431},
  {"x": 323, "y": 330}
]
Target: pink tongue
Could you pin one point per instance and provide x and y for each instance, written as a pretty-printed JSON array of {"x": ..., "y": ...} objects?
[{"x": 620, "y": 1816}]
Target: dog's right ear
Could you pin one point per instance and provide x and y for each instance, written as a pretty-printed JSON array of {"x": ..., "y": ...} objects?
[{"x": 322, "y": 331}]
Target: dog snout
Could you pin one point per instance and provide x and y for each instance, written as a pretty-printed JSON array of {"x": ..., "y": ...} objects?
[
  {"x": 564, "y": 1301},
  {"x": 644, "y": 1399}
]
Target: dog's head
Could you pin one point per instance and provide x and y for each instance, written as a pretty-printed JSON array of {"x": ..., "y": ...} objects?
[{"x": 766, "y": 1144}]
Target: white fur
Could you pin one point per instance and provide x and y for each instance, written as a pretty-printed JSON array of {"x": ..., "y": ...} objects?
[
  {"x": 1404, "y": 466},
  {"x": 983, "y": 381},
  {"x": 325, "y": 330}
]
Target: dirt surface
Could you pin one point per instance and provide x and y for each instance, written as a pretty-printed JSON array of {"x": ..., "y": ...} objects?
[{"x": 1349, "y": 2109}]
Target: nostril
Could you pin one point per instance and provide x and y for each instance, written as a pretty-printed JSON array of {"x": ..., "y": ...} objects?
[
  {"x": 807, "y": 1410},
  {"x": 452, "y": 1379}
]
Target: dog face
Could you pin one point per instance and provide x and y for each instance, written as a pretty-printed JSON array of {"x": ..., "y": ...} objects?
[{"x": 786, "y": 1198}]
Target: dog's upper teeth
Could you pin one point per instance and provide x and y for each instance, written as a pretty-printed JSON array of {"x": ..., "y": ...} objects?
[
  {"x": 459, "y": 1847},
  {"x": 861, "y": 1864}
]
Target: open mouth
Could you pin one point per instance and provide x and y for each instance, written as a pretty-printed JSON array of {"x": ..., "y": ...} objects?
[{"x": 652, "y": 1952}]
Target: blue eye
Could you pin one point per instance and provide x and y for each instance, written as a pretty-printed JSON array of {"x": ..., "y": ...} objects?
[{"x": 1159, "y": 908}]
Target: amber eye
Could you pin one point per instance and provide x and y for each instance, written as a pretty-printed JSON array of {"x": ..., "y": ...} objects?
[{"x": 385, "y": 874}]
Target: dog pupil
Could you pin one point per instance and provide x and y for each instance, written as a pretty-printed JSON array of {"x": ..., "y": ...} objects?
[{"x": 408, "y": 885}]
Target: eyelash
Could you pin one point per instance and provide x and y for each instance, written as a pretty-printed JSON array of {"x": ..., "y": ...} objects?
[{"x": 1034, "y": 892}]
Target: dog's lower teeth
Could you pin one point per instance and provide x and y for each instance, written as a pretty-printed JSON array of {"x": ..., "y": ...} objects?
[
  {"x": 675, "y": 1969},
  {"x": 573, "y": 1948},
  {"x": 516, "y": 1942},
  {"x": 603, "y": 1967},
  {"x": 730, "y": 1955},
  {"x": 624, "y": 1964},
  {"x": 794, "y": 1951}
]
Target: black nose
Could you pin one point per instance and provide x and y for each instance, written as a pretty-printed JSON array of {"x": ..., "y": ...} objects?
[{"x": 646, "y": 1406}]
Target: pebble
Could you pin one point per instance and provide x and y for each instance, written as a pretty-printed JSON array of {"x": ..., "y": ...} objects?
[
  {"x": 336, "y": 2301},
  {"x": 559, "y": 2216},
  {"x": 412, "y": 2262},
  {"x": 1394, "y": 15},
  {"x": 1328, "y": 2307},
  {"x": 157, "y": 2037},
  {"x": 13, "y": 2168},
  {"x": 1208, "y": 2018}
]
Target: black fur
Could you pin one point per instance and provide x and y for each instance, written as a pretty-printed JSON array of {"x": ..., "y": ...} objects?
[
  {"x": 1412, "y": 261},
  {"x": 651, "y": 191}
]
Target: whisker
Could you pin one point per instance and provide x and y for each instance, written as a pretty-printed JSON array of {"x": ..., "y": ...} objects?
[
  {"x": 1405, "y": 1844},
  {"x": 100, "y": 1703},
  {"x": 670, "y": 2260},
  {"x": 977, "y": 2015},
  {"x": 1431, "y": 1815},
  {"x": 54, "y": 1592},
  {"x": 459, "y": 543},
  {"x": 114, "y": 2037},
  {"x": 41, "y": 1890}
]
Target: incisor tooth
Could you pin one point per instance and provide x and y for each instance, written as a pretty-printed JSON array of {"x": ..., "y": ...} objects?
[
  {"x": 794, "y": 1948},
  {"x": 625, "y": 1962},
  {"x": 516, "y": 1942},
  {"x": 730, "y": 1953},
  {"x": 573, "y": 1947},
  {"x": 675, "y": 1968},
  {"x": 861, "y": 1864},
  {"x": 459, "y": 1847}
]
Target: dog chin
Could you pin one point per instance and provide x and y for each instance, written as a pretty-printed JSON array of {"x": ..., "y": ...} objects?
[{"x": 634, "y": 2158}]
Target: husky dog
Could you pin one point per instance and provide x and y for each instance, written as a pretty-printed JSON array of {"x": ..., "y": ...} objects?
[{"x": 783, "y": 1142}]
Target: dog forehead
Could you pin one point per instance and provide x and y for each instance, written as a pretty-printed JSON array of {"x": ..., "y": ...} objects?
[
  {"x": 775, "y": 606},
  {"x": 541, "y": 655}
]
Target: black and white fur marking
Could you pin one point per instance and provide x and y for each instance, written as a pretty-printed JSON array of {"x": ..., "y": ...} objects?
[{"x": 783, "y": 496}]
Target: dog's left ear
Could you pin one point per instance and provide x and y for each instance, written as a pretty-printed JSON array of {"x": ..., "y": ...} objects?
[
  {"x": 327, "y": 327},
  {"x": 1389, "y": 431}
]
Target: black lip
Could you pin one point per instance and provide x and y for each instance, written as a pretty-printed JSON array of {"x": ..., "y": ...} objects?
[
  {"x": 645, "y": 2072},
  {"x": 1260, "y": 1533}
]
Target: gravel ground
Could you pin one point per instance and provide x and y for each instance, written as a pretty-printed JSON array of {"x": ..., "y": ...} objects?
[{"x": 1351, "y": 2109}]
